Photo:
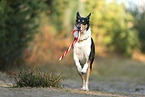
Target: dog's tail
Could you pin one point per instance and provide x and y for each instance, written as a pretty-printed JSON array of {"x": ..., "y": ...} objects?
[{"x": 92, "y": 53}]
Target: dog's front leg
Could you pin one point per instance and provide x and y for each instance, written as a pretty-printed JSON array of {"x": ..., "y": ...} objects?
[
  {"x": 76, "y": 59},
  {"x": 79, "y": 68},
  {"x": 85, "y": 67}
]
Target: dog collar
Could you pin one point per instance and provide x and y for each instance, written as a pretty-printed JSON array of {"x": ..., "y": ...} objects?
[{"x": 83, "y": 39}]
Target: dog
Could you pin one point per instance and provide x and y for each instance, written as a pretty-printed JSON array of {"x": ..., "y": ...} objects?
[{"x": 84, "y": 49}]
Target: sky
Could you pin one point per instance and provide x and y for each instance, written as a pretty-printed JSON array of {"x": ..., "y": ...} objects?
[{"x": 130, "y": 3}]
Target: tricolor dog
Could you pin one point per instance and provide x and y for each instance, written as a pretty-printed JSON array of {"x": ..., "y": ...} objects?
[{"x": 84, "y": 49}]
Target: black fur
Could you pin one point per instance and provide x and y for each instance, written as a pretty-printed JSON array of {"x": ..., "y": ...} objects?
[
  {"x": 79, "y": 20},
  {"x": 92, "y": 53}
]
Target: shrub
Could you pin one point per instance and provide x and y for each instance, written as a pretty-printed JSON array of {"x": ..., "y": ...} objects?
[{"x": 35, "y": 78}]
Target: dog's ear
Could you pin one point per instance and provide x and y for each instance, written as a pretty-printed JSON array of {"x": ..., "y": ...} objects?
[
  {"x": 88, "y": 17},
  {"x": 78, "y": 15}
]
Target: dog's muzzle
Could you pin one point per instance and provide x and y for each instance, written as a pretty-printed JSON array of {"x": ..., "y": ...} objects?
[{"x": 79, "y": 27}]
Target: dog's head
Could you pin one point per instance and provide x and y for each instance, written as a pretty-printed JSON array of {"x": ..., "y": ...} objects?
[{"x": 82, "y": 23}]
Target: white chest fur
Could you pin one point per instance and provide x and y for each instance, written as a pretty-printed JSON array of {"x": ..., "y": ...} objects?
[{"x": 82, "y": 49}]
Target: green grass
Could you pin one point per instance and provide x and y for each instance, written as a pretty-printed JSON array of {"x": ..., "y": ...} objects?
[{"x": 118, "y": 68}]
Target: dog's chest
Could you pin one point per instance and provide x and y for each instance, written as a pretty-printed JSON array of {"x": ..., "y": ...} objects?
[{"x": 83, "y": 47}]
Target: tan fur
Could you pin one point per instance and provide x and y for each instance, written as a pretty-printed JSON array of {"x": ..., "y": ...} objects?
[{"x": 88, "y": 74}]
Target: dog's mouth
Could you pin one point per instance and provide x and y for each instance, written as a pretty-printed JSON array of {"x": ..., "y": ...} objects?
[{"x": 82, "y": 29}]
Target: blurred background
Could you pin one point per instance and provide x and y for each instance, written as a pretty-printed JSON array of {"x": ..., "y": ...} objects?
[{"x": 37, "y": 32}]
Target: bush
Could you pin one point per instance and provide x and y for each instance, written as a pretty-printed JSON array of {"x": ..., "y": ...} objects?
[{"x": 35, "y": 78}]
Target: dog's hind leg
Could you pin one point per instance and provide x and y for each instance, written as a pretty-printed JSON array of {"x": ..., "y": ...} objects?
[
  {"x": 87, "y": 78},
  {"x": 83, "y": 81}
]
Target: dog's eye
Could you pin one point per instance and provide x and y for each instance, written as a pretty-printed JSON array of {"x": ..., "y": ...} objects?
[{"x": 78, "y": 21}]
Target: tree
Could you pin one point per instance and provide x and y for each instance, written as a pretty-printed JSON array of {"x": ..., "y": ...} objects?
[
  {"x": 110, "y": 27},
  {"x": 17, "y": 26},
  {"x": 138, "y": 12},
  {"x": 63, "y": 13}
]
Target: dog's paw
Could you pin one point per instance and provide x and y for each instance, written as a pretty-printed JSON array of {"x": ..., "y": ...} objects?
[
  {"x": 84, "y": 70},
  {"x": 85, "y": 89}
]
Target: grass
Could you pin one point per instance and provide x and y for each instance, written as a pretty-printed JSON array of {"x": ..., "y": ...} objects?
[
  {"x": 119, "y": 68},
  {"x": 35, "y": 78}
]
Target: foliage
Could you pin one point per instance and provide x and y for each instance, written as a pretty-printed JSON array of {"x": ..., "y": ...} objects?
[
  {"x": 58, "y": 12},
  {"x": 35, "y": 78},
  {"x": 18, "y": 23},
  {"x": 139, "y": 23},
  {"x": 110, "y": 27},
  {"x": 62, "y": 14}
]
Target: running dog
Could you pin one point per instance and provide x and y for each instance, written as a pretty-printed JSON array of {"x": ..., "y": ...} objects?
[{"x": 84, "y": 49}]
